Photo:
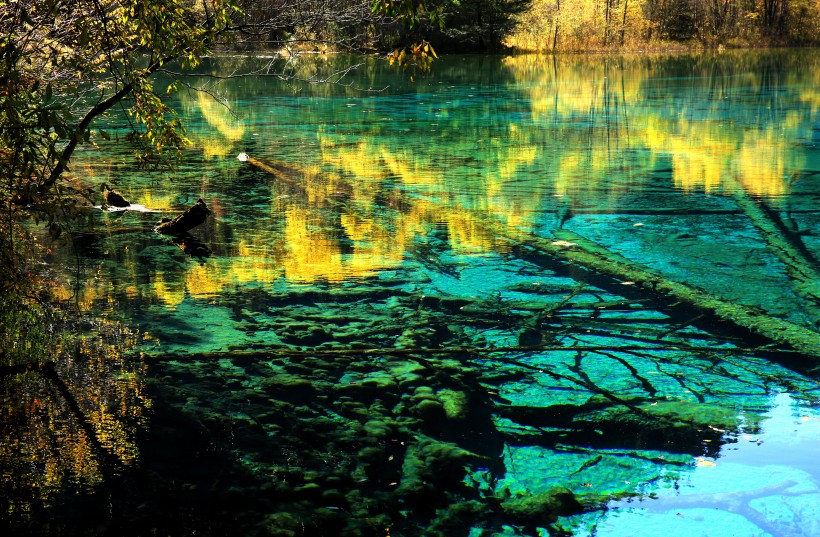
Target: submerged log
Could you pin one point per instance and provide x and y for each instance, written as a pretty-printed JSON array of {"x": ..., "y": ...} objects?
[
  {"x": 589, "y": 256},
  {"x": 786, "y": 245},
  {"x": 278, "y": 169},
  {"x": 194, "y": 216}
]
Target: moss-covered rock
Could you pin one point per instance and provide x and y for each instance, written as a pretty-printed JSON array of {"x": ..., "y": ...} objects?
[
  {"x": 377, "y": 428},
  {"x": 429, "y": 409},
  {"x": 457, "y": 518},
  {"x": 455, "y": 403},
  {"x": 700, "y": 414},
  {"x": 541, "y": 509},
  {"x": 282, "y": 525},
  {"x": 431, "y": 469},
  {"x": 305, "y": 336}
]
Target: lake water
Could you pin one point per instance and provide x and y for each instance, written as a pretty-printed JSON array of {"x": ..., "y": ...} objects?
[{"x": 383, "y": 336}]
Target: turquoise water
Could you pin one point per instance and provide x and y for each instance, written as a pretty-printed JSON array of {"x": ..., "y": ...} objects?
[{"x": 371, "y": 342}]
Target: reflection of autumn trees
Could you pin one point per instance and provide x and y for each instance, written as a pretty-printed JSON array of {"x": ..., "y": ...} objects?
[
  {"x": 637, "y": 104},
  {"x": 71, "y": 422}
]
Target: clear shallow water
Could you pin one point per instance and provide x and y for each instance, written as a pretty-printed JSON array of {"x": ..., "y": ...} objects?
[{"x": 279, "y": 387}]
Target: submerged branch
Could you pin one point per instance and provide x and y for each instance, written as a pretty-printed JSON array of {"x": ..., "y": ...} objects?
[{"x": 484, "y": 352}]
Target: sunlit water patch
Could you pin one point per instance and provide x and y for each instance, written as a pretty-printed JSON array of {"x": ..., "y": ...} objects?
[{"x": 760, "y": 484}]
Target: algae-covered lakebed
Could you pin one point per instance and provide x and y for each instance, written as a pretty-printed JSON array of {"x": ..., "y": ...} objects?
[{"x": 515, "y": 296}]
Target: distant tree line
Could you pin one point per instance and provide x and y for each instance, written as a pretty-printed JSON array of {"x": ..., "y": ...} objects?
[
  {"x": 604, "y": 24},
  {"x": 492, "y": 25},
  {"x": 379, "y": 25}
]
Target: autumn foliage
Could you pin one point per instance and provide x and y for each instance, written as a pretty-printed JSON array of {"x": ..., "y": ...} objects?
[{"x": 651, "y": 24}]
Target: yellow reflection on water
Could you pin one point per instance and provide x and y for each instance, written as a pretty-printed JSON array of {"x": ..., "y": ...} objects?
[
  {"x": 707, "y": 149},
  {"x": 583, "y": 133},
  {"x": 225, "y": 127},
  {"x": 77, "y": 430}
]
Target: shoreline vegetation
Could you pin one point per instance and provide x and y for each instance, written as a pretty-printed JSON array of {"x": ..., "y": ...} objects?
[
  {"x": 646, "y": 49},
  {"x": 590, "y": 26},
  {"x": 582, "y": 27}
]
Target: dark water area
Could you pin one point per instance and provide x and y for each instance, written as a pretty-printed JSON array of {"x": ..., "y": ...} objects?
[{"x": 384, "y": 336}]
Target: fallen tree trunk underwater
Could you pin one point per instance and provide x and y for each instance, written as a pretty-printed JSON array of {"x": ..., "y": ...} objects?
[
  {"x": 592, "y": 257},
  {"x": 786, "y": 245},
  {"x": 741, "y": 317}
]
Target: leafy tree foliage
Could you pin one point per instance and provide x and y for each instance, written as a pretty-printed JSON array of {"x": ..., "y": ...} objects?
[
  {"x": 604, "y": 24},
  {"x": 294, "y": 25},
  {"x": 479, "y": 25},
  {"x": 63, "y": 64},
  {"x": 456, "y": 25},
  {"x": 66, "y": 62}
]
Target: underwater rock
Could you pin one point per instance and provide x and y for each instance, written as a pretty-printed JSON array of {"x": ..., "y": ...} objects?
[
  {"x": 430, "y": 409},
  {"x": 411, "y": 338},
  {"x": 446, "y": 403},
  {"x": 309, "y": 336},
  {"x": 408, "y": 374},
  {"x": 377, "y": 429},
  {"x": 622, "y": 427},
  {"x": 431, "y": 469},
  {"x": 702, "y": 414},
  {"x": 290, "y": 387},
  {"x": 310, "y": 491},
  {"x": 370, "y": 453},
  {"x": 333, "y": 497},
  {"x": 455, "y": 403},
  {"x": 380, "y": 465},
  {"x": 352, "y": 409},
  {"x": 542, "y": 509},
  {"x": 277, "y": 410},
  {"x": 457, "y": 517},
  {"x": 556, "y": 415},
  {"x": 453, "y": 304}
]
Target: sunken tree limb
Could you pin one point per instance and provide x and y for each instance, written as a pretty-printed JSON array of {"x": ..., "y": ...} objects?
[
  {"x": 192, "y": 217},
  {"x": 787, "y": 246},
  {"x": 586, "y": 254}
]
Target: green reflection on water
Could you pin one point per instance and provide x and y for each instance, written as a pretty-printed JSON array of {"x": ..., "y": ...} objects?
[{"x": 373, "y": 238}]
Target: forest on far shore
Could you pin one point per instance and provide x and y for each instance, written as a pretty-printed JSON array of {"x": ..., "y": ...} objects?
[
  {"x": 576, "y": 25},
  {"x": 558, "y": 25}
]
